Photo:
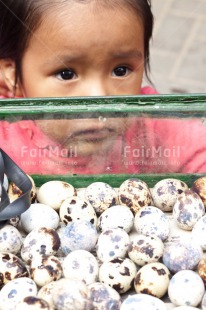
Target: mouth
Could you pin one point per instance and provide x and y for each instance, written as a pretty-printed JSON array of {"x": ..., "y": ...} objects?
[{"x": 91, "y": 135}]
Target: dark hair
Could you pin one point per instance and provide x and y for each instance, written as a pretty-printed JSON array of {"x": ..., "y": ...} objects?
[{"x": 20, "y": 18}]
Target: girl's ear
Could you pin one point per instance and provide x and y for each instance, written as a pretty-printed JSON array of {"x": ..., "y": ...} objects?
[{"x": 8, "y": 75}]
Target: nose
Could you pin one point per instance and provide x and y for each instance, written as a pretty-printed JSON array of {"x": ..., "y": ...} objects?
[{"x": 95, "y": 88}]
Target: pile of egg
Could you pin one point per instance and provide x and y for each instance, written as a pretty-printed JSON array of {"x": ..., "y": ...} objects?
[{"x": 102, "y": 248}]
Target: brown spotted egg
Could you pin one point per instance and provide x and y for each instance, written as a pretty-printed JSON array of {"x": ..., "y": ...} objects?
[
  {"x": 135, "y": 194},
  {"x": 201, "y": 269},
  {"x": 188, "y": 209},
  {"x": 165, "y": 193},
  {"x": 116, "y": 217},
  {"x": 31, "y": 220},
  {"x": 15, "y": 291},
  {"x": 11, "y": 267},
  {"x": 143, "y": 302},
  {"x": 112, "y": 243},
  {"x": 71, "y": 294},
  {"x": 82, "y": 265},
  {"x": 145, "y": 249},
  {"x": 10, "y": 239},
  {"x": 151, "y": 221},
  {"x": 45, "y": 269},
  {"x": 186, "y": 288},
  {"x": 199, "y": 186},
  {"x": 101, "y": 196},
  {"x": 32, "y": 302},
  {"x": 45, "y": 292},
  {"x": 53, "y": 193},
  {"x": 43, "y": 241},
  {"x": 152, "y": 279},
  {"x": 118, "y": 273},
  {"x": 76, "y": 208},
  {"x": 104, "y": 297},
  {"x": 15, "y": 192}
]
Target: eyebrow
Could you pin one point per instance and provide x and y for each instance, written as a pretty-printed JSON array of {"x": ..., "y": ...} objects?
[{"x": 129, "y": 54}]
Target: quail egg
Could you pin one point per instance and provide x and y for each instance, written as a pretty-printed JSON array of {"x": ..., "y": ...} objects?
[
  {"x": 10, "y": 239},
  {"x": 135, "y": 194},
  {"x": 201, "y": 269},
  {"x": 32, "y": 302},
  {"x": 101, "y": 196},
  {"x": 199, "y": 186},
  {"x": 199, "y": 232},
  {"x": 142, "y": 302},
  {"x": 165, "y": 193}
]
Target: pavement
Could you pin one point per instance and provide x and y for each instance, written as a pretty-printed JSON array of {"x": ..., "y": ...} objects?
[{"x": 178, "y": 49}]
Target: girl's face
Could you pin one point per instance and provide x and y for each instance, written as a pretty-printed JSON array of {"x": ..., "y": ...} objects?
[{"x": 84, "y": 50}]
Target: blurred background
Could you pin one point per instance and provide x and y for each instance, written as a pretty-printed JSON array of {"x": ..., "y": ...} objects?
[{"x": 178, "y": 50}]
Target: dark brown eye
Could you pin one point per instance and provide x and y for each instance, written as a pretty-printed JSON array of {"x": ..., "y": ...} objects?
[
  {"x": 66, "y": 75},
  {"x": 121, "y": 71}
]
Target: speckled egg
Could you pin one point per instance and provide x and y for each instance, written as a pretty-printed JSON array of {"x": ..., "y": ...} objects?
[
  {"x": 76, "y": 208},
  {"x": 142, "y": 302},
  {"x": 186, "y": 288},
  {"x": 70, "y": 294},
  {"x": 116, "y": 217},
  {"x": 203, "y": 303},
  {"x": 152, "y": 279},
  {"x": 145, "y": 249},
  {"x": 119, "y": 273},
  {"x": 199, "y": 232},
  {"x": 180, "y": 256},
  {"x": 104, "y": 297},
  {"x": 112, "y": 243},
  {"x": 101, "y": 196},
  {"x": 15, "y": 291},
  {"x": 43, "y": 241},
  {"x": 32, "y": 302},
  {"x": 15, "y": 192},
  {"x": 45, "y": 292},
  {"x": 53, "y": 193},
  {"x": 199, "y": 186},
  {"x": 78, "y": 235},
  {"x": 11, "y": 267},
  {"x": 30, "y": 219},
  {"x": 135, "y": 194},
  {"x": 10, "y": 239},
  {"x": 82, "y": 265},
  {"x": 188, "y": 209},
  {"x": 152, "y": 221},
  {"x": 165, "y": 193},
  {"x": 201, "y": 269},
  {"x": 45, "y": 269}
]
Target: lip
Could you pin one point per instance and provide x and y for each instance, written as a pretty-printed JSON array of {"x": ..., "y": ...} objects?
[{"x": 92, "y": 135}]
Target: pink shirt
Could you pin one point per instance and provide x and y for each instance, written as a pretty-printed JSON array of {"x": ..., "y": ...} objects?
[{"x": 148, "y": 145}]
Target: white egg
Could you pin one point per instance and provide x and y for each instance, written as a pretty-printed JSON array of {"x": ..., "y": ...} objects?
[
  {"x": 186, "y": 288},
  {"x": 165, "y": 193},
  {"x": 101, "y": 196},
  {"x": 104, "y": 297},
  {"x": 43, "y": 241},
  {"x": 15, "y": 291},
  {"x": 199, "y": 232},
  {"x": 78, "y": 235},
  {"x": 53, "y": 193},
  {"x": 152, "y": 221},
  {"x": 185, "y": 308},
  {"x": 76, "y": 208},
  {"x": 112, "y": 243},
  {"x": 152, "y": 279},
  {"x": 145, "y": 249},
  {"x": 82, "y": 265},
  {"x": 188, "y": 209},
  {"x": 116, "y": 217},
  {"x": 45, "y": 269},
  {"x": 118, "y": 273},
  {"x": 203, "y": 303},
  {"x": 10, "y": 239},
  {"x": 32, "y": 302},
  {"x": 143, "y": 302},
  {"x": 31, "y": 220},
  {"x": 135, "y": 194},
  {"x": 71, "y": 294},
  {"x": 11, "y": 267}
]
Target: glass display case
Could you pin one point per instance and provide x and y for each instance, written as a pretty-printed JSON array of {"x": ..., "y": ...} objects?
[{"x": 106, "y": 137}]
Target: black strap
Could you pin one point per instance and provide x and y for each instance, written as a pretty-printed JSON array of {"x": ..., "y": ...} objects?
[{"x": 19, "y": 178}]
